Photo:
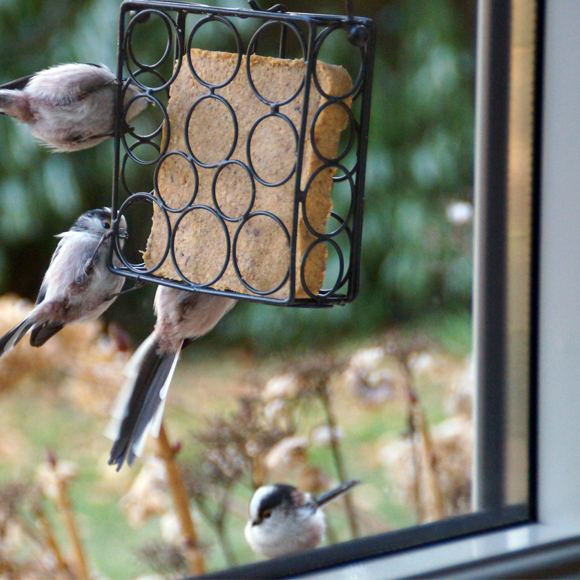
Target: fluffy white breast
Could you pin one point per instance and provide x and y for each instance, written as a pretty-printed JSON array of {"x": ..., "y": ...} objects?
[{"x": 285, "y": 534}]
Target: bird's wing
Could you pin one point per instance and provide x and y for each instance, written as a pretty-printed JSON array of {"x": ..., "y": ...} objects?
[
  {"x": 41, "y": 295},
  {"x": 90, "y": 84},
  {"x": 16, "y": 85},
  {"x": 40, "y": 334}
]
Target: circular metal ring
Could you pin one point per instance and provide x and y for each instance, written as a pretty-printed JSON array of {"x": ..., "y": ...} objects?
[
  {"x": 146, "y": 140},
  {"x": 348, "y": 173},
  {"x": 156, "y": 180},
  {"x": 158, "y": 130},
  {"x": 140, "y": 269},
  {"x": 239, "y": 44},
  {"x": 317, "y": 47},
  {"x": 164, "y": 86},
  {"x": 350, "y": 209},
  {"x": 249, "y": 148},
  {"x": 234, "y": 122},
  {"x": 128, "y": 45},
  {"x": 235, "y": 249},
  {"x": 126, "y": 157},
  {"x": 352, "y": 136},
  {"x": 228, "y": 245},
  {"x": 253, "y": 188},
  {"x": 339, "y": 279},
  {"x": 348, "y": 231},
  {"x": 251, "y": 47}
]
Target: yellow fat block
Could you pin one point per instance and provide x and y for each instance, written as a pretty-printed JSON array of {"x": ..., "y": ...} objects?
[{"x": 263, "y": 251}]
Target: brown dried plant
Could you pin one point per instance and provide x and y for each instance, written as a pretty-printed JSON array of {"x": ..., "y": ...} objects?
[
  {"x": 54, "y": 478},
  {"x": 314, "y": 377},
  {"x": 81, "y": 361},
  {"x": 236, "y": 445},
  {"x": 211, "y": 491},
  {"x": 427, "y": 492},
  {"x": 191, "y": 548},
  {"x": 164, "y": 558},
  {"x": 231, "y": 449},
  {"x": 28, "y": 548}
]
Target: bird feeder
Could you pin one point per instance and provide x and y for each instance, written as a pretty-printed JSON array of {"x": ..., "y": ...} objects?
[{"x": 250, "y": 184}]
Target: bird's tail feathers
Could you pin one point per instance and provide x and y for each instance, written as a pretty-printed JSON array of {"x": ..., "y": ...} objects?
[
  {"x": 153, "y": 428},
  {"x": 12, "y": 337},
  {"x": 130, "y": 371},
  {"x": 336, "y": 492},
  {"x": 139, "y": 406},
  {"x": 132, "y": 367}
]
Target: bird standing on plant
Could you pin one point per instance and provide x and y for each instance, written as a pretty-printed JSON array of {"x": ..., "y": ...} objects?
[
  {"x": 284, "y": 520},
  {"x": 70, "y": 106},
  {"x": 77, "y": 285},
  {"x": 182, "y": 316}
]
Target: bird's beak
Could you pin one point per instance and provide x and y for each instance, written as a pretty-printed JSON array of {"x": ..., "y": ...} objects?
[
  {"x": 256, "y": 522},
  {"x": 337, "y": 492}
]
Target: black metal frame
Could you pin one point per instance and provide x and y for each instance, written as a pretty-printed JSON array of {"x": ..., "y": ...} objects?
[{"x": 175, "y": 14}]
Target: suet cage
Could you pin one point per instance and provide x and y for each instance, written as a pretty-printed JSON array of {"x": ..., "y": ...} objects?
[{"x": 141, "y": 154}]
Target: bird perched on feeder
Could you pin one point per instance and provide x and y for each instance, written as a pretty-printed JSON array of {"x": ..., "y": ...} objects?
[
  {"x": 77, "y": 285},
  {"x": 182, "y": 316},
  {"x": 70, "y": 106},
  {"x": 284, "y": 520}
]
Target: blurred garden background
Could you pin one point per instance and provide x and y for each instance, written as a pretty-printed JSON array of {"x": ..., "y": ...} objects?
[{"x": 371, "y": 386}]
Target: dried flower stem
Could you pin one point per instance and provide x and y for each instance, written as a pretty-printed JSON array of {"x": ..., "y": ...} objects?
[
  {"x": 65, "y": 507},
  {"x": 221, "y": 531},
  {"x": 418, "y": 421},
  {"x": 430, "y": 461},
  {"x": 337, "y": 455},
  {"x": 176, "y": 486},
  {"x": 258, "y": 471},
  {"x": 50, "y": 540},
  {"x": 217, "y": 518},
  {"x": 417, "y": 497}
]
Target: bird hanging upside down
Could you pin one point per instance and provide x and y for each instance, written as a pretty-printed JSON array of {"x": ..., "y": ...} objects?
[{"x": 70, "y": 106}]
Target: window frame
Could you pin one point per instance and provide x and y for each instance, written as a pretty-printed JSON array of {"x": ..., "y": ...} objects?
[{"x": 540, "y": 539}]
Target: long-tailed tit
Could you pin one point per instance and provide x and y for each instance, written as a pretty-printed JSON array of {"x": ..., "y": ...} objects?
[
  {"x": 77, "y": 285},
  {"x": 182, "y": 317},
  {"x": 284, "y": 520},
  {"x": 69, "y": 106}
]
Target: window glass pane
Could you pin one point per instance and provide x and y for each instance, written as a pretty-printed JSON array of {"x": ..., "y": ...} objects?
[{"x": 388, "y": 390}]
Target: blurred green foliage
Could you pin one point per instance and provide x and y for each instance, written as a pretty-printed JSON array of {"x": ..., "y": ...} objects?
[{"x": 415, "y": 263}]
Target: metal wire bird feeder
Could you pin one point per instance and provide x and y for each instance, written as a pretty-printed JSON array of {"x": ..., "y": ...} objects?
[{"x": 311, "y": 35}]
